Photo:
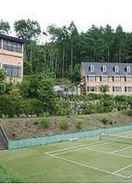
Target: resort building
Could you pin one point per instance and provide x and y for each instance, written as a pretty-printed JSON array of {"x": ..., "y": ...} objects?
[
  {"x": 11, "y": 57},
  {"x": 115, "y": 78}
]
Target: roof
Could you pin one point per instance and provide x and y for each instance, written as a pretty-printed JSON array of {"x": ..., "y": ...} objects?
[
  {"x": 122, "y": 68},
  {"x": 11, "y": 38}
]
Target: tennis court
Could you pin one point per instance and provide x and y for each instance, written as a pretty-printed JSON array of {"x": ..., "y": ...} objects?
[
  {"x": 110, "y": 155},
  {"x": 105, "y": 159}
]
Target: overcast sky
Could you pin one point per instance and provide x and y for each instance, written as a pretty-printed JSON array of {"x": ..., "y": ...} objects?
[{"x": 61, "y": 12}]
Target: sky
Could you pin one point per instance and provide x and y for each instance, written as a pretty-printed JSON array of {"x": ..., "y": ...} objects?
[{"x": 61, "y": 12}]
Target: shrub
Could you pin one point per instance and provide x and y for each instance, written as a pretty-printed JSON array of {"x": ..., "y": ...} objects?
[
  {"x": 63, "y": 125},
  {"x": 45, "y": 123},
  {"x": 36, "y": 123},
  {"x": 79, "y": 125},
  {"x": 129, "y": 113},
  {"x": 115, "y": 122},
  {"x": 104, "y": 121},
  {"x": 111, "y": 123}
]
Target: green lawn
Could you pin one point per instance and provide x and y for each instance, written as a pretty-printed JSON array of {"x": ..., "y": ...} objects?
[{"x": 77, "y": 161}]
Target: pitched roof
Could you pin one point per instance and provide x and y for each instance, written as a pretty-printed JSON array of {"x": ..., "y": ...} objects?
[
  {"x": 110, "y": 68},
  {"x": 11, "y": 38}
]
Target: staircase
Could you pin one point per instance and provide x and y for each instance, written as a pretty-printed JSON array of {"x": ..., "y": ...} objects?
[{"x": 3, "y": 144}]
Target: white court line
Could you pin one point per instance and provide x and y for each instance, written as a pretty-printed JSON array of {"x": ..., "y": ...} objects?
[
  {"x": 74, "y": 147},
  {"x": 63, "y": 149},
  {"x": 78, "y": 149},
  {"x": 87, "y": 166},
  {"x": 123, "y": 168},
  {"x": 122, "y": 149},
  {"x": 98, "y": 151},
  {"x": 110, "y": 153}
]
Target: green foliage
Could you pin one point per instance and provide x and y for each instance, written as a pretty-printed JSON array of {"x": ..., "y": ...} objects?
[
  {"x": 63, "y": 54},
  {"x": 45, "y": 123},
  {"x": 32, "y": 107},
  {"x": 63, "y": 125},
  {"x": 62, "y": 107},
  {"x": 4, "y": 27},
  {"x": 105, "y": 121},
  {"x": 27, "y": 68},
  {"x": 11, "y": 106},
  {"x": 129, "y": 112},
  {"x": 2, "y": 88},
  {"x": 27, "y": 29},
  {"x": 104, "y": 88},
  {"x": 76, "y": 75},
  {"x": 40, "y": 88},
  {"x": 79, "y": 125},
  {"x": 2, "y": 75}
]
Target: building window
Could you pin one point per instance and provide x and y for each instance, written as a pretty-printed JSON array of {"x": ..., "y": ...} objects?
[
  {"x": 91, "y": 89},
  {"x": 129, "y": 78},
  {"x": 128, "y": 69},
  {"x": 91, "y": 78},
  {"x": 100, "y": 78},
  {"x": 12, "y": 46},
  {"x": 125, "y": 79},
  {"x": 91, "y": 68},
  {"x": 0, "y": 44},
  {"x": 12, "y": 71},
  {"x": 117, "y": 78},
  {"x": 116, "y": 69},
  {"x": 103, "y": 68},
  {"x": 113, "y": 78},
  {"x": 117, "y": 89},
  {"x": 104, "y": 78},
  {"x": 129, "y": 89},
  {"x": 125, "y": 89}
]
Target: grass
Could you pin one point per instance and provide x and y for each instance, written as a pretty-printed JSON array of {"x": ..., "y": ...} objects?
[
  {"x": 75, "y": 161},
  {"x": 30, "y": 127}
]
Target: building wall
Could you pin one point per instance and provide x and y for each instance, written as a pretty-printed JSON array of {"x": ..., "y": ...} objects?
[
  {"x": 117, "y": 84},
  {"x": 11, "y": 58}
]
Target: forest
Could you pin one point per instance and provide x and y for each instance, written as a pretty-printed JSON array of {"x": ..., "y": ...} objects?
[
  {"x": 66, "y": 47},
  {"x": 58, "y": 59}
]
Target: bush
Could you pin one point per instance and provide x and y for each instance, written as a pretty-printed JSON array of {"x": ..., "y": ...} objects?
[
  {"x": 129, "y": 113},
  {"x": 63, "y": 125},
  {"x": 36, "y": 123},
  {"x": 45, "y": 123},
  {"x": 111, "y": 123},
  {"x": 104, "y": 121},
  {"x": 79, "y": 125}
]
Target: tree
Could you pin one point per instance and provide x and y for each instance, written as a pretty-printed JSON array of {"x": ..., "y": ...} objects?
[
  {"x": 27, "y": 29},
  {"x": 60, "y": 37},
  {"x": 2, "y": 75},
  {"x": 40, "y": 87},
  {"x": 120, "y": 43},
  {"x": 4, "y": 27},
  {"x": 76, "y": 76},
  {"x": 74, "y": 44}
]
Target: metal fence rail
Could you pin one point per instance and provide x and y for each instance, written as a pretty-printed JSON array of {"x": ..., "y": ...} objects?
[
  {"x": 15, "y": 144},
  {"x": 3, "y": 137}
]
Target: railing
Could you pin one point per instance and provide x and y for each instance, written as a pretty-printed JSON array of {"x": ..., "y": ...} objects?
[{"x": 4, "y": 136}]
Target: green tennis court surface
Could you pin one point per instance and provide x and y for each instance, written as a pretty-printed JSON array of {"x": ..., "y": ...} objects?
[{"x": 105, "y": 160}]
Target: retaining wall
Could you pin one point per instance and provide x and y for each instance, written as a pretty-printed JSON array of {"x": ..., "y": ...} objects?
[{"x": 15, "y": 144}]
